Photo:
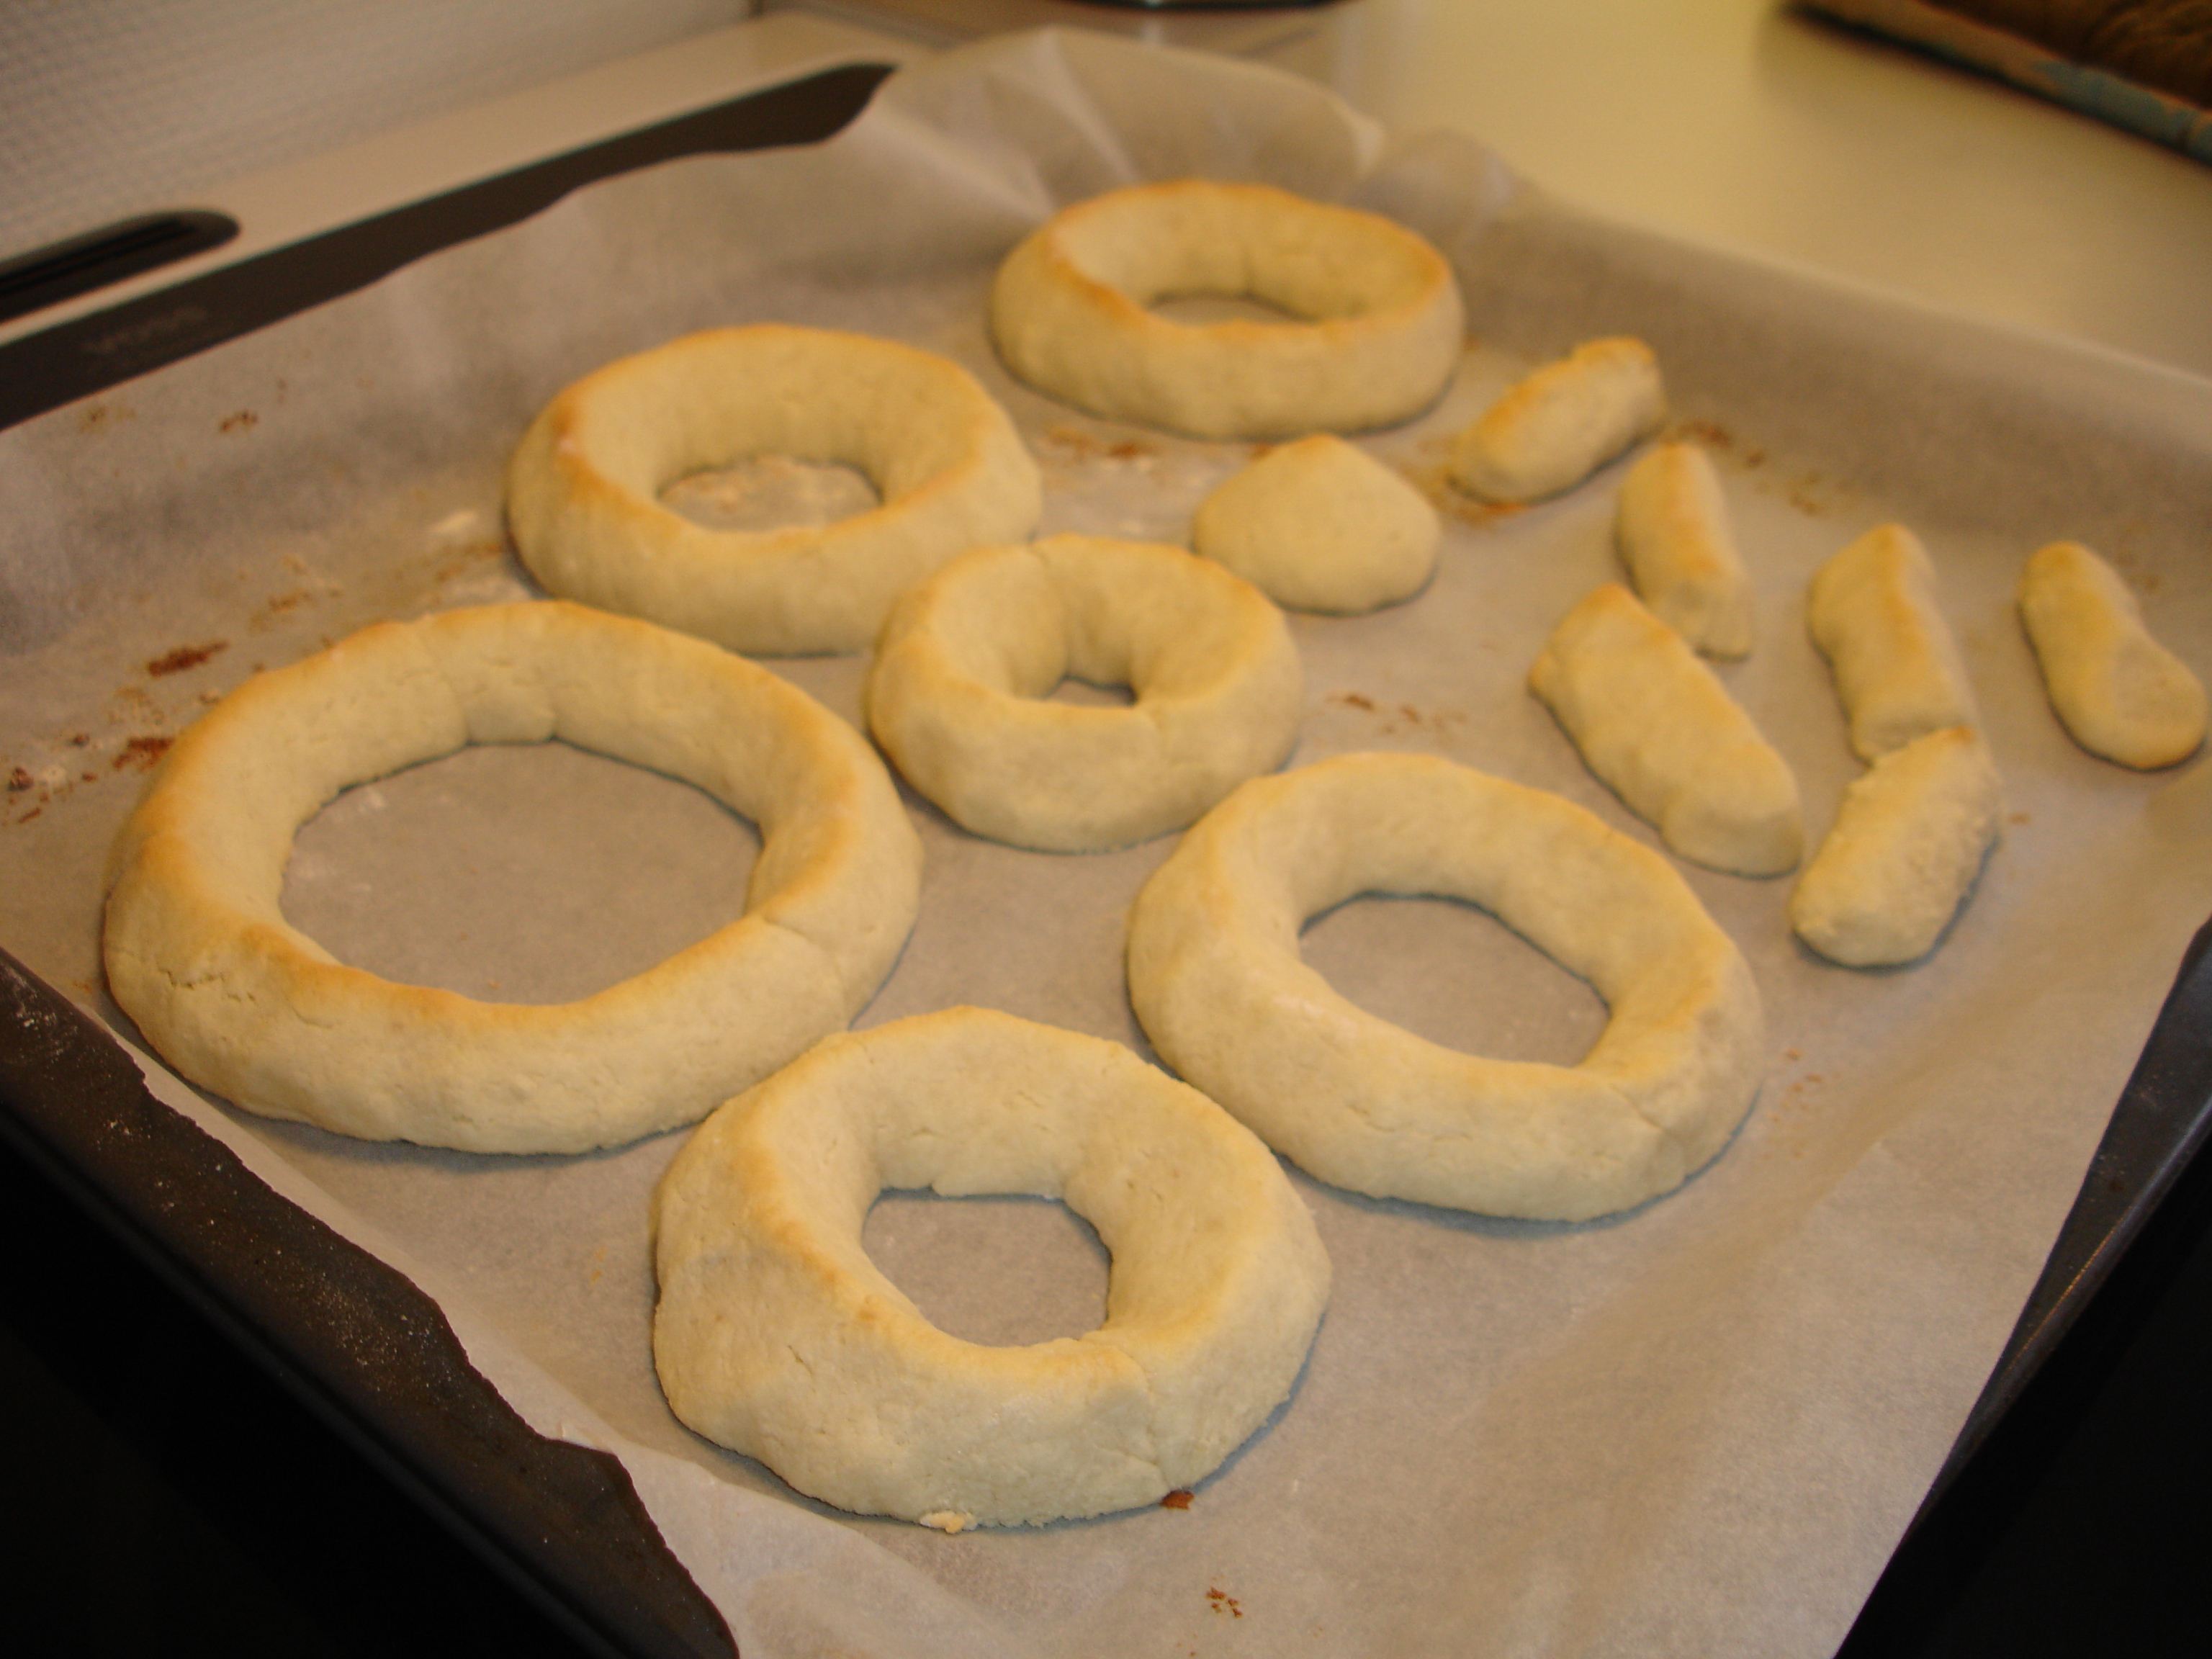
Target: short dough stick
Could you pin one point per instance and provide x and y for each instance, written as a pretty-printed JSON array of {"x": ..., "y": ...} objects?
[
  {"x": 2120, "y": 692},
  {"x": 1319, "y": 525},
  {"x": 1873, "y": 613},
  {"x": 1555, "y": 427},
  {"x": 1906, "y": 846},
  {"x": 1672, "y": 528},
  {"x": 1654, "y": 723}
]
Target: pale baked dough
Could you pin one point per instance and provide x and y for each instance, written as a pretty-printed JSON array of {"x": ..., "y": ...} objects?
[
  {"x": 958, "y": 694},
  {"x": 1907, "y": 843},
  {"x": 776, "y": 1336},
  {"x": 2120, "y": 692},
  {"x": 1559, "y": 424},
  {"x": 1319, "y": 524},
  {"x": 1376, "y": 340},
  {"x": 1873, "y": 612},
  {"x": 1663, "y": 733},
  {"x": 1672, "y": 528},
  {"x": 583, "y": 488},
  {"x": 1215, "y": 977},
  {"x": 198, "y": 951}
]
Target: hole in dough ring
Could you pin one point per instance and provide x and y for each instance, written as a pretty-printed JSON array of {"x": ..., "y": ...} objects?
[
  {"x": 198, "y": 951},
  {"x": 583, "y": 487},
  {"x": 776, "y": 1336},
  {"x": 957, "y": 691},
  {"x": 1378, "y": 340},
  {"x": 1215, "y": 977}
]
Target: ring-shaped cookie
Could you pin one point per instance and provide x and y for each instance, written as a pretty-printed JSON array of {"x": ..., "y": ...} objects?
[
  {"x": 583, "y": 487},
  {"x": 957, "y": 691},
  {"x": 1215, "y": 977},
  {"x": 198, "y": 951},
  {"x": 1376, "y": 340},
  {"x": 776, "y": 1336}
]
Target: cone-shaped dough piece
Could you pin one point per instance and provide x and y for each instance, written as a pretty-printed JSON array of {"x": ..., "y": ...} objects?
[{"x": 1319, "y": 525}]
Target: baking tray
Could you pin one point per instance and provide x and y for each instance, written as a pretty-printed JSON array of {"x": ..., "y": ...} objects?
[{"x": 84, "y": 1120}]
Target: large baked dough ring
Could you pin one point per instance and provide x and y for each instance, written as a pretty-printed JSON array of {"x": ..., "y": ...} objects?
[
  {"x": 1215, "y": 977},
  {"x": 1377, "y": 341},
  {"x": 958, "y": 694},
  {"x": 198, "y": 951},
  {"x": 777, "y": 1337},
  {"x": 583, "y": 488}
]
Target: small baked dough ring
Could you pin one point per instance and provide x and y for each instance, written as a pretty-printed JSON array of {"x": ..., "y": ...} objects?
[
  {"x": 958, "y": 692},
  {"x": 198, "y": 951},
  {"x": 1661, "y": 730},
  {"x": 1319, "y": 524},
  {"x": 1907, "y": 843},
  {"x": 2121, "y": 693},
  {"x": 1560, "y": 423},
  {"x": 583, "y": 487},
  {"x": 1873, "y": 612},
  {"x": 1673, "y": 527},
  {"x": 1377, "y": 340},
  {"x": 777, "y": 1337},
  {"x": 1215, "y": 977}
]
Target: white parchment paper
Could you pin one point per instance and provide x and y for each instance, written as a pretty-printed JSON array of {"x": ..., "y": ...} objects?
[{"x": 1695, "y": 1429}]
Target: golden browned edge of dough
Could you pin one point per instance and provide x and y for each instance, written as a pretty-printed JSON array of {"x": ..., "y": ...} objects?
[
  {"x": 1561, "y": 421},
  {"x": 1078, "y": 339},
  {"x": 790, "y": 591},
  {"x": 1672, "y": 527},
  {"x": 1659, "y": 729},
  {"x": 1872, "y": 610},
  {"x": 199, "y": 953},
  {"x": 776, "y": 1336},
  {"x": 2119, "y": 693},
  {"x": 1216, "y": 981},
  {"x": 958, "y": 694},
  {"x": 1319, "y": 524},
  {"x": 1907, "y": 846}
]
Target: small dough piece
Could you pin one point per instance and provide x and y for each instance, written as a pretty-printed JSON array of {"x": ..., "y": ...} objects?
[
  {"x": 1215, "y": 978},
  {"x": 776, "y": 1336},
  {"x": 1907, "y": 845},
  {"x": 1556, "y": 427},
  {"x": 1673, "y": 527},
  {"x": 583, "y": 491},
  {"x": 959, "y": 692},
  {"x": 1319, "y": 525},
  {"x": 1377, "y": 340},
  {"x": 1873, "y": 612},
  {"x": 198, "y": 951},
  {"x": 1663, "y": 733},
  {"x": 2120, "y": 692}
]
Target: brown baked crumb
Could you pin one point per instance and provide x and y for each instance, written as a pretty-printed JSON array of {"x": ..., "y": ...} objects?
[
  {"x": 245, "y": 421},
  {"x": 142, "y": 752},
  {"x": 1178, "y": 1499},
  {"x": 184, "y": 657},
  {"x": 1222, "y": 1599}
]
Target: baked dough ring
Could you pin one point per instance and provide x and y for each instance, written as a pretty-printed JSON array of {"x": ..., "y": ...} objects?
[
  {"x": 198, "y": 951},
  {"x": 1215, "y": 977},
  {"x": 958, "y": 694},
  {"x": 2118, "y": 692},
  {"x": 1378, "y": 341},
  {"x": 777, "y": 1337},
  {"x": 583, "y": 487}
]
